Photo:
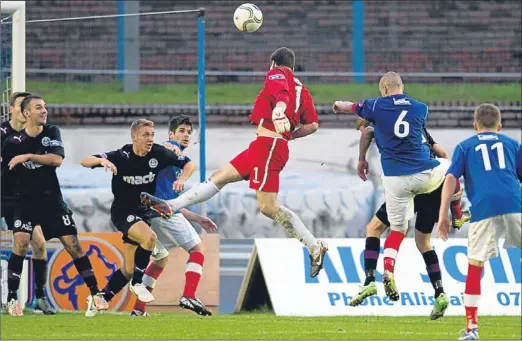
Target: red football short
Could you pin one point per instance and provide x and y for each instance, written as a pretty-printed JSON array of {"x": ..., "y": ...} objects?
[{"x": 262, "y": 162}]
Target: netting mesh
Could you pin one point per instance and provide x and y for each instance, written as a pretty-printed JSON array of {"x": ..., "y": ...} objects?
[
  {"x": 5, "y": 67},
  {"x": 407, "y": 36}
]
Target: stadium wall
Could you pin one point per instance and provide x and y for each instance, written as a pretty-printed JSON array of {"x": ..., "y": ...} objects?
[{"x": 470, "y": 36}]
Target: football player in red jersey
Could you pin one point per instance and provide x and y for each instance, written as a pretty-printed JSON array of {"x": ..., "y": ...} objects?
[{"x": 283, "y": 105}]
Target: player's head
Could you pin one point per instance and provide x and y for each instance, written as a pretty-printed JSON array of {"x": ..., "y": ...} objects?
[
  {"x": 391, "y": 84},
  {"x": 142, "y": 134},
  {"x": 361, "y": 124},
  {"x": 34, "y": 110},
  {"x": 14, "y": 105},
  {"x": 283, "y": 56},
  {"x": 180, "y": 130},
  {"x": 487, "y": 118}
]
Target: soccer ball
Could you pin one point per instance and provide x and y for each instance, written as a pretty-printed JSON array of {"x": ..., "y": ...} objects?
[{"x": 248, "y": 18}]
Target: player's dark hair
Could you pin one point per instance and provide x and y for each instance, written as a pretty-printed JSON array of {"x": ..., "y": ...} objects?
[
  {"x": 361, "y": 123},
  {"x": 175, "y": 122},
  {"x": 17, "y": 95},
  {"x": 27, "y": 100},
  {"x": 487, "y": 115},
  {"x": 283, "y": 56}
]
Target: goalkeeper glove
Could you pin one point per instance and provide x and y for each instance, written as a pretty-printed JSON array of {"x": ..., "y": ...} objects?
[{"x": 281, "y": 122}]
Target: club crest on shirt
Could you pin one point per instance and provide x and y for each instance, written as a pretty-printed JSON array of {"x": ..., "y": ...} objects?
[
  {"x": 276, "y": 76},
  {"x": 153, "y": 163},
  {"x": 46, "y": 141}
]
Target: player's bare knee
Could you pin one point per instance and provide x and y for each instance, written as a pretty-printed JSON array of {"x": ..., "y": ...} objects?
[
  {"x": 39, "y": 250},
  {"x": 375, "y": 228},
  {"x": 423, "y": 242},
  {"x": 268, "y": 210},
  {"x": 150, "y": 240},
  {"x": 21, "y": 243},
  {"x": 162, "y": 263},
  {"x": 477, "y": 263},
  {"x": 198, "y": 248}
]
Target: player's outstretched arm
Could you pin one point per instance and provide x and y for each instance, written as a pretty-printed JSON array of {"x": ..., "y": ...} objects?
[
  {"x": 447, "y": 192},
  {"x": 305, "y": 130},
  {"x": 92, "y": 161},
  {"x": 343, "y": 107},
  {"x": 205, "y": 222},
  {"x": 53, "y": 160}
]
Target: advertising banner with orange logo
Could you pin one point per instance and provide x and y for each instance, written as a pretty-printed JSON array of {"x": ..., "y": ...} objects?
[{"x": 66, "y": 289}]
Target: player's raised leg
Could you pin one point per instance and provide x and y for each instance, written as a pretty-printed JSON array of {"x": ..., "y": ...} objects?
[
  {"x": 39, "y": 259},
  {"x": 374, "y": 230},
  {"x": 196, "y": 194}
]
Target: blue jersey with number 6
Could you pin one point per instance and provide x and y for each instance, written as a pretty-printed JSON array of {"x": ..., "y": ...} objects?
[
  {"x": 399, "y": 124},
  {"x": 491, "y": 164}
]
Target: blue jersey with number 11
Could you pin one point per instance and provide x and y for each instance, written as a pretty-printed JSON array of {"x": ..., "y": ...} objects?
[
  {"x": 399, "y": 125},
  {"x": 491, "y": 164}
]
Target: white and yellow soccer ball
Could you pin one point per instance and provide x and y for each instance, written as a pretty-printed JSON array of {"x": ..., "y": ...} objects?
[{"x": 248, "y": 18}]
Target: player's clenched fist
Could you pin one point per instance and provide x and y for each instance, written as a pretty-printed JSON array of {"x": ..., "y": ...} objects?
[
  {"x": 281, "y": 122},
  {"x": 109, "y": 165}
]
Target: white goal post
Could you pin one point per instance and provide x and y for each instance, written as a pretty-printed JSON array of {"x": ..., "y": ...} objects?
[{"x": 17, "y": 10}]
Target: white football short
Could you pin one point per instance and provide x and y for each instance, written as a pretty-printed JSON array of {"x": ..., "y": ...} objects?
[
  {"x": 483, "y": 235},
  {"x": 400, "y": 191},
  {"x": 174, "y": 232}
]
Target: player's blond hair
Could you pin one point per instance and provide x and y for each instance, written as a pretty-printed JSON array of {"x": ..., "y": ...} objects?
[
  {"x": 391, "y": 81},
  {"x": 136, "y": 125},
  {"x": 488, "y": 116}
]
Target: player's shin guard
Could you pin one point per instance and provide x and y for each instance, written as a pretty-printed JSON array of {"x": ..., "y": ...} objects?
[
  {"x": 391, "y": 249},
  {"x": 15, "y": 266},
  {"x": 84, "y": 267},
  {"x": 456, "y": 211},
  {"x": 432, "y": 265},
  {"x": 472, "y": 296},
  {"x": 195, "y": 195},
  {"x": 149, "y": 279},
  {"x": 117, "y": 282},
  {"x": 295, "y": 227},
  {"x": 40, "y": 275},
  {"x": 141, "y": 260},
  {"x": 193, "y": 272},
  {"x": 371, "y": 256}
]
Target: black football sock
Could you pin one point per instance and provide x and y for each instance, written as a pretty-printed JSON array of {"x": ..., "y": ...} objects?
[
  {"x": 84, "y": 267},
  {"x": 40, "y": 275},
  {"x": 432, "y": 265},
  {"x": 371, "y": 256},
  {"x": 117, "y": 282},
  {"x": 141, "y": 260},
  {"x": 15, "y": 265}
]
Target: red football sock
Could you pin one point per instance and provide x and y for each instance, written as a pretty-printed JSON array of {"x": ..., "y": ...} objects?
[
  {"x": 391, "y": 249},
  {"x": 152, "y": 273},
  {"x": 456, "y": 211},
  {"x": 472, "y": 296},
  {"x": 193, "y": 271}
]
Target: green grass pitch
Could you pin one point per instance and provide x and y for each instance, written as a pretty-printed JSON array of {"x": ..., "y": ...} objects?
[{"x": 186, "y": 326}]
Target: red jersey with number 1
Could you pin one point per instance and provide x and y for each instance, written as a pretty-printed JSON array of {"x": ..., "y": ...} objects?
[{"x": 282, "y": 85}]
